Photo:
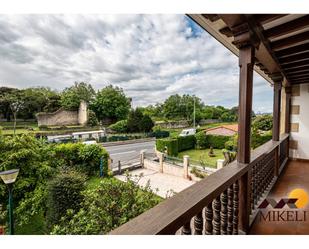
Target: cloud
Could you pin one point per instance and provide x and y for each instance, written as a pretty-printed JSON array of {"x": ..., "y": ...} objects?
[{"x": 149, "y": 56}]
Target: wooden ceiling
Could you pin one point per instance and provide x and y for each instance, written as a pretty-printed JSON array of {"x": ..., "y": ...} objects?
[{"x": 283, "y": 41}]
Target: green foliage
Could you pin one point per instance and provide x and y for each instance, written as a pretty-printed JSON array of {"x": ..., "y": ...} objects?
[
  {"x": 92, "y": 119},
  {"x": 201, "y": 141},
  {"x": 198, "y": 173},
  {"x": 186, "y": 143},
  {"x": 111, "y": 103},
  {"x": 36, "y": 163},
  {"x": 159, "y": 134},
  {"x": 72, "y": 96},
  {"x": 106, "y": 207},
  {"x": 217, "y": 141},
  {"x": 120, "y": 126},
  {"x": 134, "y": 119},
  {"x": 231, "y": 144},
  {"x": 263, "y": 122},
  {"x": 169, "y": 144},
  {"x": 146, "y": 124},
  {"x": 64, "y": 192},
  {"x": 81, "y": 157},
  {"x": 205, "y": 141},
  {"x": 257, "y": 139}
]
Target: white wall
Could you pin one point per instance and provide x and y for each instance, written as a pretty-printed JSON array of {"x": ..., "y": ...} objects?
[{"x": 302, "y": 137}]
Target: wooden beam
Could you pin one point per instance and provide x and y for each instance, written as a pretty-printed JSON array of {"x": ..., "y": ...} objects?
[
  {"x": 266, "y": 18},
  {"x": 297, "y": 70},
  {"x": 290, "y": 41},
  {"x": 300, "y": 78},
  {"x": 292, "y": 51},
  {"x": 294, "y": 65},
  {"x": 289, "y": 27},
  {"x": 294, "y": 58},
  {"x": 211, "y": 17}
]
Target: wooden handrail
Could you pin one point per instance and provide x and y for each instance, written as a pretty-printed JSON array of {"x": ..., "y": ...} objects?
[{"x": 170, "y": 215}]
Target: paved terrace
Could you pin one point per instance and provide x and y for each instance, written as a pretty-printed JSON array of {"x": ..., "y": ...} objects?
[{"x": 166, "y": 184}]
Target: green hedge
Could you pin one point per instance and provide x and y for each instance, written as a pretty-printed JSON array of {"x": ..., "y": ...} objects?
[
  {"x": 205, "y": 141},
  {"x": 82, "y": 157},
  {"x": 159, "y": 134},
  {"x": 64, "y": 192},
  {"x": 167, "y": 143},
  {"x": 186, "y": 143}
]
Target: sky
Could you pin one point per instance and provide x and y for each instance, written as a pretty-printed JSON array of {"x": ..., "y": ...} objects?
[{"x": 150, "y": 56}]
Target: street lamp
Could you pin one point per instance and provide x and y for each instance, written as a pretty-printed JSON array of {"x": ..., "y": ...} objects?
[{"x": 9, "y": 177}]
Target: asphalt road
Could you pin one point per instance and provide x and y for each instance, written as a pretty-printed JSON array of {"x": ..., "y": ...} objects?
[{"x": 129, "y": 152}]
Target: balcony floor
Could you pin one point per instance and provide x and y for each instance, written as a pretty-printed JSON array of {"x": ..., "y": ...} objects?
[{"x": 295, "y": 175}]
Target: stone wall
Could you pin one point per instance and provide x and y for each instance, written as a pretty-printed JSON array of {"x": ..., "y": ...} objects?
[{"x": 64, "y": 117}]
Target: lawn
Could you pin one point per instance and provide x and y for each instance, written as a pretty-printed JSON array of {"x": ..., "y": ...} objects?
[{"x": 198, "y": 156}]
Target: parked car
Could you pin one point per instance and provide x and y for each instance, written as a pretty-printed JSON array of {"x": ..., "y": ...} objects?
[
  {"x": 187, "y": 132},
  {"x": 90, "y": 142}
]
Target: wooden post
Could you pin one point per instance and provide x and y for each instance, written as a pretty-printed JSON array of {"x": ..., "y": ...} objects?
[
  {"x": 277, "y": 78},
  {"x": 287, "y": 109},
  {"x": 246, "y": 63},
  {"x": 119, "y": 167}
]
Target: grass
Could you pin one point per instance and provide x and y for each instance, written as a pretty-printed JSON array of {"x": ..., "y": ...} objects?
[{"x": 202, "y": 155}]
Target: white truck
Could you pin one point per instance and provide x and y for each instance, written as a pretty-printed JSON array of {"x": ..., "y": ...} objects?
[{"x": 187, "y": 132}]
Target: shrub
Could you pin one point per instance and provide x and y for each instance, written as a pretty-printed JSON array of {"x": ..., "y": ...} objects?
[
  {"x": 92, "y": 118},
  {"x": 231, "y": 144},
  {"x": 201, "y": 140},
  {"x": 263, "y": 122},
  {"x": 258, "y": 139},
  {"x": 186, "y": 143},
  {"x": 64, "y": 192},
  {"x": 107, "y": 206},
  {"x": 167, "y": 143},
  {"x": 146, "y": 124},
  {"x": 82, "y": 157},
  {"x": 217, "y": 141},
  {"x": 120, "y": 126},
  {"x": 159, "y": 134}
]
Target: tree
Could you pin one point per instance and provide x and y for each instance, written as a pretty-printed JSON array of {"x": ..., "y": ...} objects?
[
  {"x": 72, "y": 96},
  {"x": 111, "y": 104},
  {"x": 92, "y": 118},
  {"x": 146, "y": 124},
  {"x": 263, "y": 122},
  {"x": 4, "y": 103},
  {"x": 16, "y": 102},
  {"x": 134, "y": 119}
]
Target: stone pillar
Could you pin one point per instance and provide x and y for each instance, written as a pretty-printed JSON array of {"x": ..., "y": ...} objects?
[
  {"x": 142, "y": 157},
  {"x": 82, "y": 113},
  {"x": 161, "y": 156},
  {"x": 186, "y": 164}
]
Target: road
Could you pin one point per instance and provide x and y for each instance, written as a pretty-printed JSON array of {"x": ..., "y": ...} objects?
[{"x": 128, "y": 152}]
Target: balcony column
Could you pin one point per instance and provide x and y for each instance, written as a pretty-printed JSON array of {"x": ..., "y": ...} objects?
[
  {"x": 246, "y": 64},
  {"x": 277, "y": 78},
  {"x": 287, "y": 109}
]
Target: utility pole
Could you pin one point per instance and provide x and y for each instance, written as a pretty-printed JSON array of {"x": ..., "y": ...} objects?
[{"x": 194, "y": 113}]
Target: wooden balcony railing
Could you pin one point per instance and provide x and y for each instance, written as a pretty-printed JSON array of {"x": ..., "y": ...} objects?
[{"x": 212, "y": 206}]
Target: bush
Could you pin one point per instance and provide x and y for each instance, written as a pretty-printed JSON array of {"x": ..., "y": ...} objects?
[
  {"x": 109, "y": 205},
  {"x": 231, "y": 144},
  {"x": 64, "y": 192},
  {"x": 201, "y": 140},
  {"x": 121, "y": 126},
  {"x": 167, "y": 143},
  {"x": 258, "y": 139},
  {"x": 217, "y": 141},
  {"x": 146, "y": 124},
  {"x": 159, "y": 134},
  {"x": 263, "y": 122},
  {"x": 82, "y": 157},
  {"x": 92, "y": 119},
  {"x": 186, "y": 143}
]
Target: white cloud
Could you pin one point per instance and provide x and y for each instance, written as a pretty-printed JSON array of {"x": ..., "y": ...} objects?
[{"x": 149, "y": 56}]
